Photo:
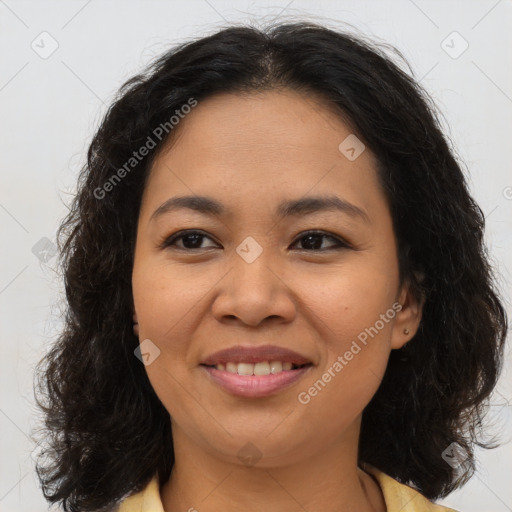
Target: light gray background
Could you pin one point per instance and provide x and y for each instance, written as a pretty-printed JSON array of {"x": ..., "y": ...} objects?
[{"x": 51, "y": 106}]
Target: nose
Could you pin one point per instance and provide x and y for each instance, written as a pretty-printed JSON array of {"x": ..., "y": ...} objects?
[{"x": 254, "y": 292}]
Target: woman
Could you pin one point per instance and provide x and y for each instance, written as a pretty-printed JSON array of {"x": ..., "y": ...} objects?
[{"x": 214, "y": 357}]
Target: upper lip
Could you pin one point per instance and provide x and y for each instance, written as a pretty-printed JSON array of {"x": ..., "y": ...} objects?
[{"x": 244, "y": 354}]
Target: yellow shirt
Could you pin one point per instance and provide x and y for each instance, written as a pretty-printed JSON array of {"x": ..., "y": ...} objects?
[{"x": 398, "y": 497}]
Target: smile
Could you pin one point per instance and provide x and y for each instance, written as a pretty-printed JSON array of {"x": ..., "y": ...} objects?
[{"x": 255, "y": 371}]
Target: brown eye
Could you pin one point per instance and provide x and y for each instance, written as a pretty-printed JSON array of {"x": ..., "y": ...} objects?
[
  {"x": 190, "y": 240},
  {"x": 313, "y": 240}
]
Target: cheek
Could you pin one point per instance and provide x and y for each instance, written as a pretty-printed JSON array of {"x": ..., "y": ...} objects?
[
  {"x": 169, "y": 302},
  {"x": 354, "y": 315},
  {"x": 350, "y": 300},
  {"x": 162, "y": 301},
  {"x": 167, "y": 299}
]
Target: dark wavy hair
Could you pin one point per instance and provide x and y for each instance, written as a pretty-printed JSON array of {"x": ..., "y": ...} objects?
[{"x": 106, "y": 431}]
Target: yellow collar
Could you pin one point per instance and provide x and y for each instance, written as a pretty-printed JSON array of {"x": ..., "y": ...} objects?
[{"x": 397, "y": 495}]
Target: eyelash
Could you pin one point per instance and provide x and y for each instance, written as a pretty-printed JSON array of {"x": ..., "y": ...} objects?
[{"x": 169, "y": 241}]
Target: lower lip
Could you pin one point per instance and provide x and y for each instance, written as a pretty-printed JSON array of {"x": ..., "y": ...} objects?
[{"x": 254, "y": 386}]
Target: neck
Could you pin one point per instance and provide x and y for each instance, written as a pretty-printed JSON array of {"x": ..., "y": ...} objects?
[{"x": 327, "y": 481}]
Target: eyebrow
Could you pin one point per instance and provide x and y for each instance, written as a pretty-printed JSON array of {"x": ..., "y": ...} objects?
[{"x": 297, "y": 207}]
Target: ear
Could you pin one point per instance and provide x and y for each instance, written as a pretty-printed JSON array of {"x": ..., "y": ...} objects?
[{"x": 407, "y": 319}]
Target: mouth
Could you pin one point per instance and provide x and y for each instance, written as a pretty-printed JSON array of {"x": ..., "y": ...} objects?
[{"x": 254, "y": 372}]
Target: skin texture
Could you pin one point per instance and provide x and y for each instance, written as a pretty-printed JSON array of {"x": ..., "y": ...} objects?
[{"x": 251, "y": 152}]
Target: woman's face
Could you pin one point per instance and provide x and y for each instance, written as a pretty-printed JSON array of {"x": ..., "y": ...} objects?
[{"x": 253, "y": 277}]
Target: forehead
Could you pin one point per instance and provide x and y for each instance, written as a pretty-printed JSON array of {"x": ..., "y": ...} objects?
[
  {"x": 253, "y": 147},
  {"x": 270, "y": 121}
]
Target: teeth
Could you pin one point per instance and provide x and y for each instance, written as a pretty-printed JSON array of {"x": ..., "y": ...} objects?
[
  {"x": 276, "y": 366},
  {"x": 261, "y": 368},
  {"x": 245, "y": 369},
  {"x": 230, "y": 367}
]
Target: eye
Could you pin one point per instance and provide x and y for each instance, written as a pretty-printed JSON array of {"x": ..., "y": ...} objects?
[
  {"x": 312, "y": 240},
  {"x": 190, "y": 240}
]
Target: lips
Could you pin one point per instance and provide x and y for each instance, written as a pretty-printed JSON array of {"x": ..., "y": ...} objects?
[{"x": 255, "y": 372}]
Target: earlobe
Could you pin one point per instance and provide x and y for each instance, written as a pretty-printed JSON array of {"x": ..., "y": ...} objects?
[{"x": 407, "y": 319}]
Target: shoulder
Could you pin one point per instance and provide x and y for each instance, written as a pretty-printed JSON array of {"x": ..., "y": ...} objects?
[{"x": 401, "y": 497}]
